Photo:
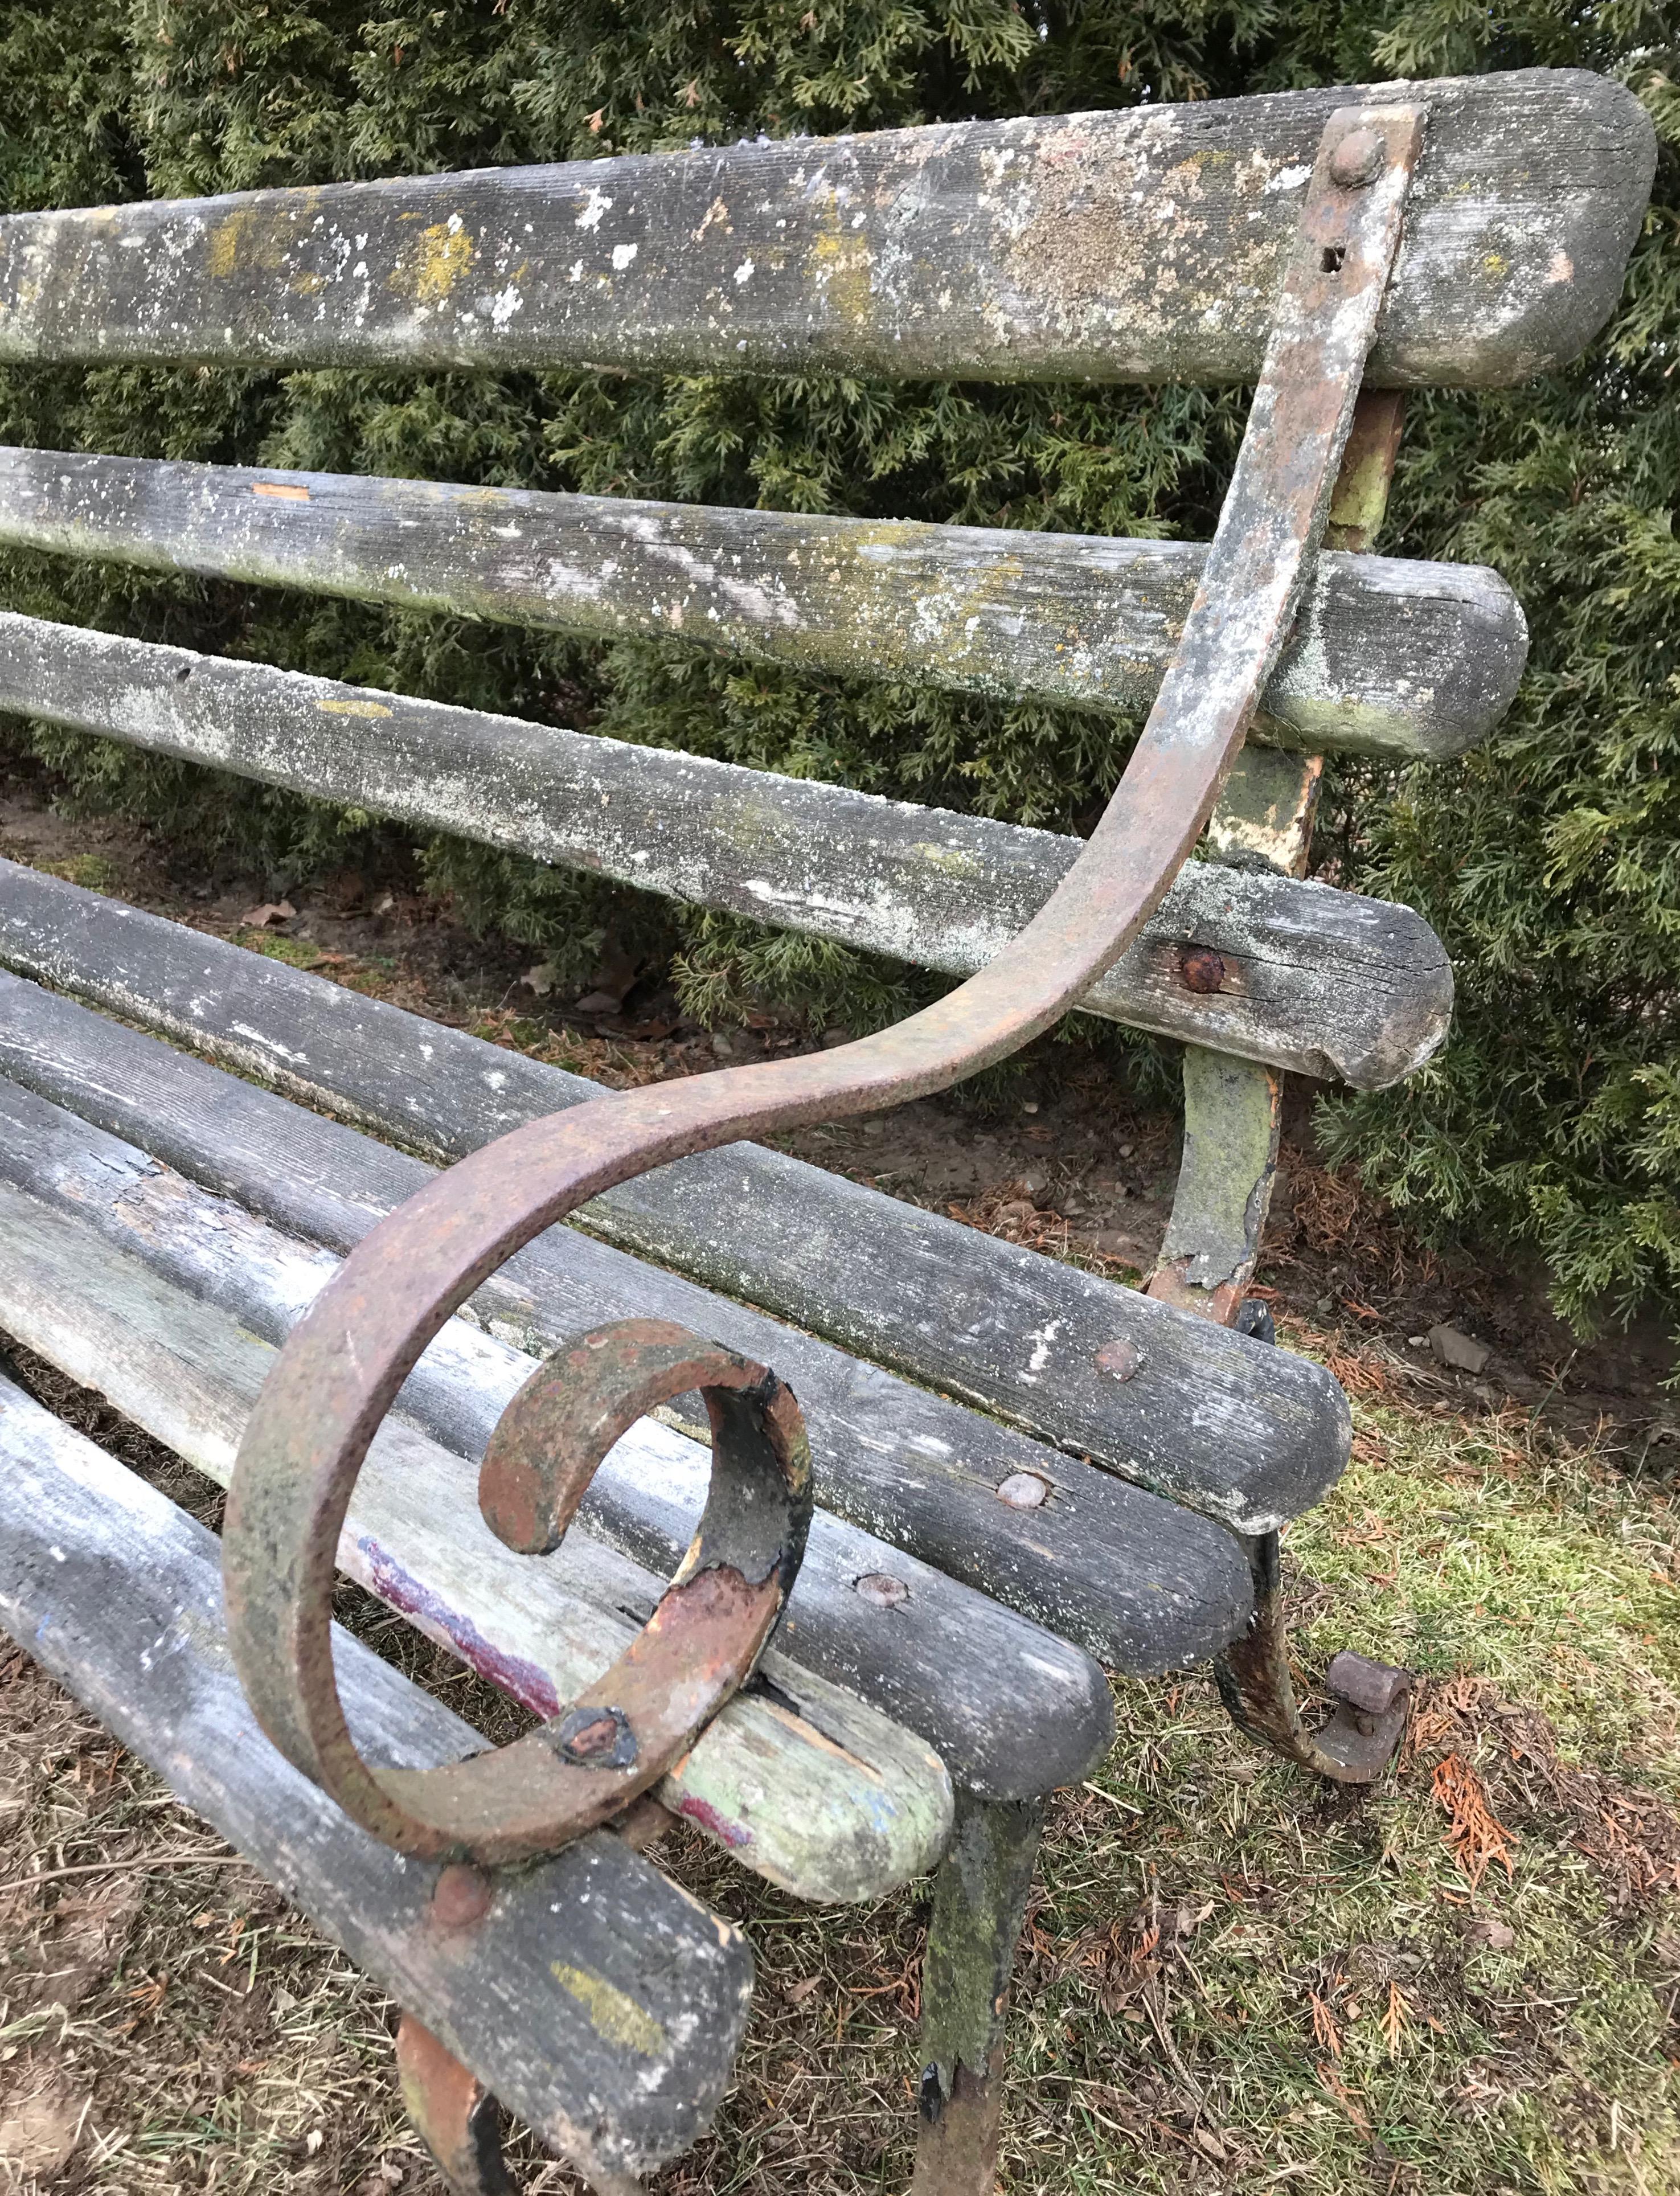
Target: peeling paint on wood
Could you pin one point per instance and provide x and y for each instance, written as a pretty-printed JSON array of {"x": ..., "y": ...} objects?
[
  {"x": 998, "y": 1697},
  {"x": 1328, "y": 983},
  {"x": 1251, "y": 1436},
  {"x": 1144, "y": 244},
  {"x": 1388, "y": 657},
  {"x": 118, "y": 1594},
  {"x": 838, "y": 1809}
]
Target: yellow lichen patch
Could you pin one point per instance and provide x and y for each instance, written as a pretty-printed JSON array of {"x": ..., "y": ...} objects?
[
  {"x": 445, "y": 255},
  {"x": 839, "y": 266},
  {"x": 355, "y": 709},
  {"x": 222, "y": 254},
  {"x": 255, "y": 236},
  {"x": 951, "y": 859},
  {"x": 615, "y": 2017}
]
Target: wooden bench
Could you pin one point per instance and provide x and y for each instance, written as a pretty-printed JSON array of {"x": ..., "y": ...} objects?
[{"x": 220, "y": 1202}]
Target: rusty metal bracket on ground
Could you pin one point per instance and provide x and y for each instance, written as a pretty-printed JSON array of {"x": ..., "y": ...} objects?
[
  {"x": 1372, "y": 1699},
  {"x": 345, "y": 1361}
]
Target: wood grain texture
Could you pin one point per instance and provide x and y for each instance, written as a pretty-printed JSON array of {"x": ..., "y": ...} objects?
[
  {"x": 1251, "y": 1435},
  {"x": 597, "y": 2000},
  {"x": 1144, "y": 244},
  {"x": 801, "y": 1781},
  {"x": 1327, "y": 983},
  {"x": 1388, "y": 657},
  {"x": 1010, "y": 1708}
]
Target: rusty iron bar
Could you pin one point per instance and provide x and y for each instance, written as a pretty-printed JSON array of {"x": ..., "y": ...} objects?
[
  {"x": 460, "y": 2122},
  {"x": 590, "y": 1762},
  {"x": 453, "y": 2114},
  {"x": 344, "y": 1362},
  {"x": 1370, "y": 1700}
]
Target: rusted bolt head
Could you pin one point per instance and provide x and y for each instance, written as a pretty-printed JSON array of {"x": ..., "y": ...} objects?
[
  {"x": 461, "y": 1896},
  {"x": 1359, "y": 159},
  {"x": 1202, "y": 968},
  {"x": 596, "y": 1738},
  {"x": 882, "y": 1590},
  {"x": 1119, "y": 1359},
  {"x": 1024, "y": 1490}
]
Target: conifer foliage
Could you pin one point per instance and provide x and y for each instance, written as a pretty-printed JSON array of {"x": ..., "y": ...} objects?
[{"x": 1550, "y": 863}]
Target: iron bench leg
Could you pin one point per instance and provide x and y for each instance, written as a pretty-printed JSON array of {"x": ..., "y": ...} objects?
[
  {"x": 979, "y": 1902},
  {"x": 1264, "y": 819},
  {"x": 1253, "y": 1677}
]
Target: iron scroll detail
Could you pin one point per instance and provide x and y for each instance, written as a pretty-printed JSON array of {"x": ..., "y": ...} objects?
[{"x": 345, "y": 1361}]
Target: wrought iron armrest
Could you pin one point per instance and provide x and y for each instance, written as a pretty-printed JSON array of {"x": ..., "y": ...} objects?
[{"x": 345, "y": 1361}]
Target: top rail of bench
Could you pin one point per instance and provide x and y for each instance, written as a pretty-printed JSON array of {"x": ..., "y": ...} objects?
[{"x": 1022, "y": 250}]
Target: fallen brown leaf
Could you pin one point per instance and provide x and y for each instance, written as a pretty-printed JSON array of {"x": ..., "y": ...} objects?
[{"x": 1474, "y": 1832}]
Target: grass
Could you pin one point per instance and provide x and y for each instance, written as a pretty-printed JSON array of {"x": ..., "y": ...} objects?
[{"x": 1231, "y": 1979}]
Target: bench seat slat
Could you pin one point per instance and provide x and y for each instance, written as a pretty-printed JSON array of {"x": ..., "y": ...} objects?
[
  {"x": 807, "y": 1785},
  {"x": 1251, "y": 1434},
  {"x": 598, "y": 2000},
  {"x": 1388, "y": 657},
  {"x": 1028, "y": 249},
  {"x": 1143, "y": 1583},
  {"x": 1323, "y": 982},
  {"x": 1013, "y": 1710}
]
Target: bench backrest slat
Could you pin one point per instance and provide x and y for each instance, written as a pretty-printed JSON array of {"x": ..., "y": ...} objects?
[
  {"x": 1054, "y": 617},
  {"x": 1324, "y": 982},
  {"x": 1143, "y": 244}
]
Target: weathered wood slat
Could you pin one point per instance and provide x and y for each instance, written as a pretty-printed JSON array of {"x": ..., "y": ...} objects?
[
  {"x": 599, "y": 2001},
  {"x": 1252, "y": 1435},
  {"x": 803, "y": 1782},
  {"x": 1388, "y": 657},
  {"x": 1011, "y": 1709},
  {"x": 1028, "y": 249},
  {"x": 1139, "y": 1580},
  {"x": 1327, "y": 983}
]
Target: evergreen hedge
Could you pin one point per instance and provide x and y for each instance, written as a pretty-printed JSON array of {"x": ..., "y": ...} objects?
[{"x": 1549, "y": 862}]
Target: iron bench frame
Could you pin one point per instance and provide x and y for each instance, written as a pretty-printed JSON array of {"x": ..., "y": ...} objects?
[{"x": 344, "y": 1361}]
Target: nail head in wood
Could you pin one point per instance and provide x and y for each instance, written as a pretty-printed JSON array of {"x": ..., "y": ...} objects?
[
  {"x": 1202, "y": 968},
  {"x": 882, "y": 1591},
  {"x": 1024, "y": 1490},
  {"x": 461, "y": 1896},
  {"x": 1119, "y": 1359},
  {"x": 1359, "y": 159}
]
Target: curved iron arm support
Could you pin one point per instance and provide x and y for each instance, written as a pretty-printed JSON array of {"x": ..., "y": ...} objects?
[{"x": 345, "y": 1361}]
